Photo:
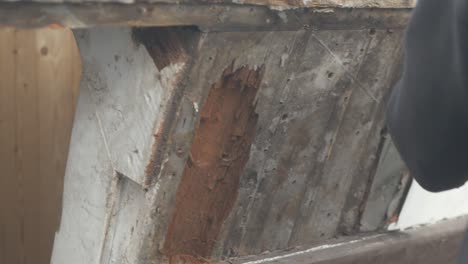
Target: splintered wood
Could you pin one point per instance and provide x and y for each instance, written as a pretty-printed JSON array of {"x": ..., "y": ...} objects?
[{"x": 39, "y": 84}]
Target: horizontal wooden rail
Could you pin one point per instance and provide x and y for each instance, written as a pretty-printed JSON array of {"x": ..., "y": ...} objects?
[
  {"x": 207, "y": 17},
  {"x": 437, "y": 243}
]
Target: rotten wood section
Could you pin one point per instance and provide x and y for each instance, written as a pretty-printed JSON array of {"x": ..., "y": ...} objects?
[
  {"x": 220, "y": 16},
  {"x": 219, "y": 152},
  {"x": 432, "y": 244}
]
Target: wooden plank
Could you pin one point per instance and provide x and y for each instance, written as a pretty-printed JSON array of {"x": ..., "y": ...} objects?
[
  {"x": 27, "y": 143},
  {"x": 343, "y": 180},
  {"x": 60, "y": 64},
  {"x": 320, "y": 106},
  {"x": 214, "y": 17},
  {"x": 297, "y": 133},
  {"x": 433, "y": 244},
  {"x": 389, "y": 189},
  {"x": 305, "y": 166},
  {"x": 44, "y": 74},
  {"x": 11, "y": 248},
  {"x": 269, "y": 3}
]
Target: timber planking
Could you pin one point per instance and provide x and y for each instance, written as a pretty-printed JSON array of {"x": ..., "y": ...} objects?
[
  {"x": 433, "y": 244},
  {"x": 318, "y": 135},
  {"x": 40, "y": 74},
  {"x": 214, "y": 16}
]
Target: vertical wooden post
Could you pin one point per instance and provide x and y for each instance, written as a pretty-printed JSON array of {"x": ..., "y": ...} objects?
[{"x": 40, "y": 72}]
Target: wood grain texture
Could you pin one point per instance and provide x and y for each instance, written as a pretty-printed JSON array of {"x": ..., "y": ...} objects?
[
  {"x": 431, "y": 244},
  {"x": 320, "y": 115},
  {"x": 40, "y": 74}
]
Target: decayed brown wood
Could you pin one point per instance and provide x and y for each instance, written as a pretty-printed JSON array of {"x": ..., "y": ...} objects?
[
  {"x": 40, "y": 74},
  {"x": 218, "y": 154}
]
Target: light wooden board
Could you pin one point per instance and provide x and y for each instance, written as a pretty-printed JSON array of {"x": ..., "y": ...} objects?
[{"x": 39, "y": 83}]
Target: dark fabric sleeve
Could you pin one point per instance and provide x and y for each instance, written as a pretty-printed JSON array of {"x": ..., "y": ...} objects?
[{"x": 427, "y": 115}]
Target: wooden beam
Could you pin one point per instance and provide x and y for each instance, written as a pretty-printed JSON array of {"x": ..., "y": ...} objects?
[
  {"x": 276, "y": 4},
  {"x": 39, "y": 84},
  {"x": 213, "y": 17},
  {"x": 437, "y": 243}
]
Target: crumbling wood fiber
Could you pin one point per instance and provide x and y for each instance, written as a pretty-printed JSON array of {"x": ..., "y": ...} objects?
[{"x": 218, "y": 155}]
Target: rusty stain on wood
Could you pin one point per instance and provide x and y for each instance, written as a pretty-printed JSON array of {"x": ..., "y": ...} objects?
[{"x": 218, "y": 155}]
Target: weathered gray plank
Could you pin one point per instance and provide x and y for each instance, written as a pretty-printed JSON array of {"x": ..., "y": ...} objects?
[
  {"x": 214, "y": 17},
  {"x": 433, "y": 244},
  {"x": 308, "y": 150},
  {"x": 389, "y": 188},
  {"x": 379, "y": 72},
  {"x": 344, "y": 176},
  {"x": 296, "y": 134},
  {"x": 271, "y": 3}
]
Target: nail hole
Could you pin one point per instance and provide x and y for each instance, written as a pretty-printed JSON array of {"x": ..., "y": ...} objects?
[{"x": 44, "y": 51}]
